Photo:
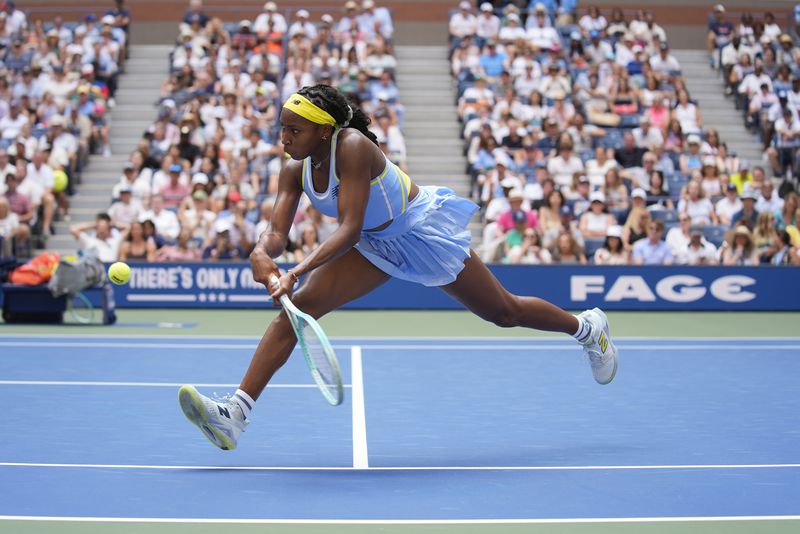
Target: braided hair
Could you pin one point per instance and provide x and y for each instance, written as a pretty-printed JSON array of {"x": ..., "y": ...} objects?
[{"x": 347, "y": 114}]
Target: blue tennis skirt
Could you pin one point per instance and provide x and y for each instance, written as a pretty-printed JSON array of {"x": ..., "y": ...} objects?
[{"x": 428, "y": 243}]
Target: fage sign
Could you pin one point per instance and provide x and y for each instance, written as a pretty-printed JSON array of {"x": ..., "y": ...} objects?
[{"x": 682, "y": 288}]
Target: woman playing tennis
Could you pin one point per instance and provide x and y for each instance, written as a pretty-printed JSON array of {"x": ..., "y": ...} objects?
[{"x": 388, "y": 227}]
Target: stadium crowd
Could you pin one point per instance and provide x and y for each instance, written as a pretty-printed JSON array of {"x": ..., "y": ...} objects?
[
  {"x": 584, "y": 144},
  {"x": 203, "y": 178},
  {"x": 57, "y": 81}
]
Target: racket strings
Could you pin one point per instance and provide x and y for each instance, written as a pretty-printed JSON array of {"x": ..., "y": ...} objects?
[{"x": 315, "y": 351}]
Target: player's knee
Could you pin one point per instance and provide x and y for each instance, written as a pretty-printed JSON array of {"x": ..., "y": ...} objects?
[{"x": 504, "y": 317}]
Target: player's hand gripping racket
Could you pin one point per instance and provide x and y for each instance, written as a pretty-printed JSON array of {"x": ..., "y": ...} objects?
[{"x": 317, "y": 349}]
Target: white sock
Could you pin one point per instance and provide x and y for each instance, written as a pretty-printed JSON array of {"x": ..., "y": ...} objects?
[
  {"x": 584, "y": 330},
  {"x": 244, "y": 401}
]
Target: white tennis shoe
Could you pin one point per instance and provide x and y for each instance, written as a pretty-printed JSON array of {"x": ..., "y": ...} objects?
[
  {"x": 221, "y": 422},
  {"x": 599, "y": 349}
]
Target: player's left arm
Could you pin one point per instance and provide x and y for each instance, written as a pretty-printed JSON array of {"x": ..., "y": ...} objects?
[{"x": 354, "y": 162}]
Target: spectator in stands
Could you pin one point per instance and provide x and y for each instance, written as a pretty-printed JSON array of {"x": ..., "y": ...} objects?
[
  {"x": 176, "y": 190},
  {"x": 222, "y": 248},
  {"x": 567, "y": 251},
  {"x": 565, "y": 164},
  {"x": 785, "y": 252},
  {"x": 98, "y": 237},
  {"x": 595, "y": 222},
  {"x": 768, "y": 200},
  {"x": 165, "y": 221},
  {"x": 463, "y": 23},
  {"x": 488, "y": 24},
  {"x": 516, "y": 204},
  {"x": 42, "y": 201},
  {"x": 652, "y": 250},
  {"x": 710, "y": 181},
  {"x": 764, "y": 236},
  {"x": 597, "y": 168},
  {"x": 688, "y": 114},
  {"x": 612, "y": 252},
  {"x": 694, "y": 203},
  {"x": 184, "y": 250},
  {"x": 697, "y": 251},
  {"x": 692, "y": 158},
  {"x": 550, "y": 212},
  {"x": 126, "y": 210},
  {"x": 720, "y": 31},
  {"x": 645, "y": 135},
  {"x": 195, "y": 11},
  {"x": 657, "y": 197},
  {"x": 615, "y": 190},
  {"x": 738, "y": 248},
  {"x": 782, "y": 156},
  {"x": 135, "y": 246},
  {"x": 728, "y": 206},
  {"x": 748, "y": 213},
  {"x": 678, "y": 237},
  {"x": 635, "y": 227},
  {"x": 19, "y": 203},
  {"x": 788, "y": 214},
  {"x": 15, "y": 234},
  {"x": 629, "y": 155},
  {"x": 664, "y": 64},
  {"x": 531, "y": 251}
]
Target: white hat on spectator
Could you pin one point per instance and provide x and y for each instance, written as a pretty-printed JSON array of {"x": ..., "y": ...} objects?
[
  {"x": 302, "y": 14},
  {"x": 350, "y": 4},
  {"x": 244, "y": 23},
  {"x": 464, "y": 5},
  {"x": 73, "y": 49},
  {"x": 597, "y": 196},
  {"x": 539, "y": 7},
  {"x": 87, "y": 68},
  {"x": 199, "y": 178},
  {"x": 222, "y": 225},
  {"x": 219, "y": 112},
  {"x": 368, "y": 4},
  {"x": 515, "y": 194},
  {"x": 693, "y": 139},
  {"x": 108, "y": 19},
  {"x": 639, "y": 193},
  {"x": 270, "y": 6},
  {"x": 168, "y": 103},
  {"x": 614, "y": 231},
  {"x": 509, "y": 183},
  {"x": 720, "y": 8},
  {"x": 486, "y": 6},
  {"x": 327, "y": 17},
  {"x": 513, "y": 16}
]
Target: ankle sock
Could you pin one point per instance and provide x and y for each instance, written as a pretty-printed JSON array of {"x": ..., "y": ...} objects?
[
  {"x": 584, "y": 330},
  {"x": 244, "y": 401}
]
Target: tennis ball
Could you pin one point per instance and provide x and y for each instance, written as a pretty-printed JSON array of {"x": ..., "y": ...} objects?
[
  {"x": 119, "y": 273},
  {"x": 60, "y": 181}
]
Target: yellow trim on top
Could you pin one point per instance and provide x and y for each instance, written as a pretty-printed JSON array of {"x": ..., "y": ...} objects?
[
  {"x": 382, "y": 175},
  {"x": 405, "y": 187}
]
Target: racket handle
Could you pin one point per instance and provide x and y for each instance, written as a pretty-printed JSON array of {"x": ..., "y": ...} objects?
[{"x": 273, "y": 281}]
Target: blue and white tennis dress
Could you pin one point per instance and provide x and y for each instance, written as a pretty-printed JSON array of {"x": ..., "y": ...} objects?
[{"x": 427, "y": 240}]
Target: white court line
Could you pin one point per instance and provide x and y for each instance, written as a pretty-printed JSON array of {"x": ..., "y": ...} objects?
[
  {"x": 413, "y": 468},
  {"x": 431, "y": 346},
  {"x": 135, "y": 384},
  {"x": 360, "y": 455},
  {"x": 676, "y": 519}
]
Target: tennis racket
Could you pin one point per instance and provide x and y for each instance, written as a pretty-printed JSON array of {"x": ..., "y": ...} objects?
[{"x": 317, "y": 350}]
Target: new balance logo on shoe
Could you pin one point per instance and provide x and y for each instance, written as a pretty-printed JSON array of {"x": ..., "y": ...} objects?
[
  {"x": 223, "y": 411},
  {"x": 603, "y": 341}
]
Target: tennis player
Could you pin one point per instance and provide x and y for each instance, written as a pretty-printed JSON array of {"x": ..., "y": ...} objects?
[{"x": 388, "y": 227}]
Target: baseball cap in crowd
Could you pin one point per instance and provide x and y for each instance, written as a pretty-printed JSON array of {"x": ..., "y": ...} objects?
[
  {"x": 597, "y": 196},
  {"x": 327, "y": 18},
  {"x": 199, "y": 178},
  {"x": 464, "y": 5},
  {"x": 128, "y": 166},
  {"x": 565, "y": 210},
  {"x": 222, "y": 225},
  {"x": 614, "y": 231},
  {"x": 234, "y": 196},
  {"x": 785, "y": 38},
  {"x": 731, "y": 187},
  {"x": 518, "y": 216},
  {"x": 748, "y": 194},
  {"x": 664, "y": 45},
  {"x": 368, "y": 4},
  {"x": 270, "y": 6},
  {"x": 302, "y": 13},
  {"x": 639, "y": 193},
  {"x": 91, "y": 17},
  {"x": 108, "y": 19},
  {"x": 200, "y": 195},
  {"x": 583, "y": 180},
  {"x": 125, "y": 189},
  {"x": 693, "y": 139},
  {"x": 575, "y": 36},
  {"x": 486, "y": 6},
  {"x": 696, "y": 230},
  {"x": 244, "y": 23},
  {"x": 594, "y": 34},
  {"x": 719, "y": 8},
  {"x": 175, "y": 168}
]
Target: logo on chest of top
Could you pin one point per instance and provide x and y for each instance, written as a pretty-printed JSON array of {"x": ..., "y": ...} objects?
[{"x": 335, "y": 191}]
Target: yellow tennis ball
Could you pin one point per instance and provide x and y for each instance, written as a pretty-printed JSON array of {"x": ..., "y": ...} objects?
[
  {"x": 119, "y": 273},
  {"x": 60, "y": 181}
]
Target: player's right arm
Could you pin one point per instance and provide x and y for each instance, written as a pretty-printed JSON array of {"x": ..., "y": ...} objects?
[{"x": 272, "y": 242}]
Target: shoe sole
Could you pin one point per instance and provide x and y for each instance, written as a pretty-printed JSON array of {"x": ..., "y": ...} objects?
[
  {"x": 195, "y": 411},
  {"x": 607, "y": 331}
]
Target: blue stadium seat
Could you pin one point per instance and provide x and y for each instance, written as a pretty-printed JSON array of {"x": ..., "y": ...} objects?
[
  {"x": 592, "y": 244},
  {"x": 715, "y": 233},
  {"x": 664, "y": 215},
  {"x": 675, "y": 183}
]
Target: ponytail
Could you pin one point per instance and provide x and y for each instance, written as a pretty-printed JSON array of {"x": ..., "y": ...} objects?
[{"x": 346, "y": 114}]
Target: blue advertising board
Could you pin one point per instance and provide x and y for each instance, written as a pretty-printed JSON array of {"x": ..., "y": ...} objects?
[{"x": 231, "y": 285}]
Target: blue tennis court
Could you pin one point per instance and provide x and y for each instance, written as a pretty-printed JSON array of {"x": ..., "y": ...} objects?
[{"x": 431, "y": 429}]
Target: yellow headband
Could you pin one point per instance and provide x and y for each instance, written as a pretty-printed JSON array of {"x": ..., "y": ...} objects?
[{"x": 303, "y": 107}]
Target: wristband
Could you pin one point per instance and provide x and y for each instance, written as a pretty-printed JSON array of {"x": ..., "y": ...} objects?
[{"x": 294, "y": 275}]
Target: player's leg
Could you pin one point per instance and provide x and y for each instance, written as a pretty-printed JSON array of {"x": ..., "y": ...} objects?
[
  {"x": 480, "y": 292},
  {"x": 325, "y": 289}
]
